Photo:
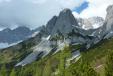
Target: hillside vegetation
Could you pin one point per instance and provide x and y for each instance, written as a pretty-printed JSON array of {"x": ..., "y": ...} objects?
[{"x": 96, "y": 61}]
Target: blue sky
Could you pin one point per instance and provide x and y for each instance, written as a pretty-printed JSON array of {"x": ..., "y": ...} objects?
[{"x": 82, "y": 7}]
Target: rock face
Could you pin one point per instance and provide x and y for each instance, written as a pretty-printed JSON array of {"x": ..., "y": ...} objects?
[
  {"x": 109, "y": 22},
  {"x": 109, "y": 18},
  {"x": 50, "y": 25},
  {"x": 63, "y": 23}
]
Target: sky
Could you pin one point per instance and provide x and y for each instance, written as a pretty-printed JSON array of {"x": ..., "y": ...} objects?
[
  {"x": 81, "y": 8},
  {"x": 96, "y": 8},
  {"x": 35, "y": 13}
]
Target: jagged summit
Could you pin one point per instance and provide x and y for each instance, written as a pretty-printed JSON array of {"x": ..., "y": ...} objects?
[
  {"x": 66, "y": 10},
  {"x": 62, "y": 23},
  {"x": 109, "y": 22},
  {"x": 109, "y": 8}
]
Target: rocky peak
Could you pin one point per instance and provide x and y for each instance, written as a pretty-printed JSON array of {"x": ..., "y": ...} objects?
[
  {"x": 66, "y": 15},
  {"x": 110, "y": 10},
  {"x": 64, "y": 22},
  {"x": 66, "y": 11}
]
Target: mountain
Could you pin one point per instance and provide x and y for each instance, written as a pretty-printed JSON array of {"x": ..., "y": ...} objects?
[
  {"x": 64, "y": 21},
  {"x": 91, "y": 23},
  {"x": 109, "y": 18},
  {"x": 9, "y": 37},
  {"x": 63, "y": 47}
]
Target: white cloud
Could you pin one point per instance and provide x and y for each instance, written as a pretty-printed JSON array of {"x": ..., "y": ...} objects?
[
  {"x": 32, "y": 13},
  {"x": 96, "y": 8},
  {"x": 75, "y": 14}
]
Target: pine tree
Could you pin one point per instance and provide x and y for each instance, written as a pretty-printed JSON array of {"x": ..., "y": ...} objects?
[
  {"x": 63, "y": 56},
  {"x": 38, "y": 71},
  {"x": 13, "y": 73},
  {"x": 47, "y": 69},
  {"x": 3, "y": 71},
  {"x": 109, "y": 64}
]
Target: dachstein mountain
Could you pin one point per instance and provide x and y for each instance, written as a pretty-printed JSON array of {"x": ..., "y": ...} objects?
[{"x": 63, "y": 42}]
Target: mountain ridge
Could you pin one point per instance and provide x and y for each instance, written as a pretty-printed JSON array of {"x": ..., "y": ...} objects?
[{"x": 9, "y": 36}]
